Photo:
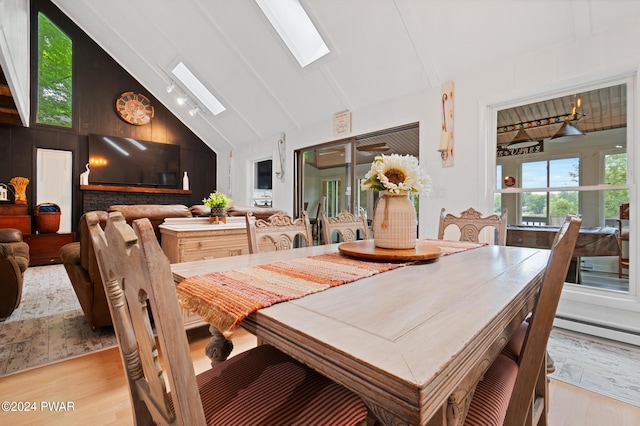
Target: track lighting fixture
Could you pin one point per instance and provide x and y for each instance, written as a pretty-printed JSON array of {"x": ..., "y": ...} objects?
[
  {"x": 170, "y": 87},
  {"x": 194, "y": 111}
]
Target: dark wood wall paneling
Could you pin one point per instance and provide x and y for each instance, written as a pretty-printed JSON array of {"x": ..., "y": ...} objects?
[{"x": 98, "y": 82}]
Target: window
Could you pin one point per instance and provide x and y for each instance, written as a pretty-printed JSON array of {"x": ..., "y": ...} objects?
[
  {"x": 263, "y": 174},
  {"x": 549, "y": 207},
  {"x": 615, "y": 173},
  {"x": 55, "y": 80},
  {"x": 263, "y": 183}
]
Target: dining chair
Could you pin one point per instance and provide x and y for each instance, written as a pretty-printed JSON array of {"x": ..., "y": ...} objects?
[
  {"x": 258, "y": 386},
  {"x": 515, "y": 392},
  {"x": 280, "y": 230},
  {"x": 470, "y": 222},
  {"x": 623, "y": 235},
  {"x": 346, "y": 225}
]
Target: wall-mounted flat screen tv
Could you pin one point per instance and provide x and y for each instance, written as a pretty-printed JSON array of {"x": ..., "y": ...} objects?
[{"x": 133, "y": 162}]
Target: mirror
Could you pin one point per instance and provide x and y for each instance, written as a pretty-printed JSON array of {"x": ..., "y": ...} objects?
[{"x": 54, "y": 183}]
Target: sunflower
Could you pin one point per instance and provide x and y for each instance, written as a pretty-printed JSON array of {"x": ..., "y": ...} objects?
[{"x": 396, "y": 173}]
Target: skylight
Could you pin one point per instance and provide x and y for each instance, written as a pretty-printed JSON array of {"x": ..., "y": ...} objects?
[
  {"x": 295, "y": 28},
  {"x": 195, "y": 86}
]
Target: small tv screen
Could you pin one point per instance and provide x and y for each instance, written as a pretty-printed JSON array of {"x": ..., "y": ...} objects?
[{"x": 133, "y": 162}]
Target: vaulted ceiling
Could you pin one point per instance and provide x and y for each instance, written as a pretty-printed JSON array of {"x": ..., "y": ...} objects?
[{"x": 380, "y": 50}]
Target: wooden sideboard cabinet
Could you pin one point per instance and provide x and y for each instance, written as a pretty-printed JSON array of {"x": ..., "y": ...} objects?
[
  {"x": 44, "y": 249},
  {"x": 187, "y": 239}
]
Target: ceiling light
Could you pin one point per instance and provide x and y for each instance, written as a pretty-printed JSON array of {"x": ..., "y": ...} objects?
[
  {"x": 197, "y": 89},
  {"x": 170, "y": 87},
  {"x": 295, "y": 28},
  {"x": 182, "y": 100},
  {"x": 194, "y": 111},
  {"x": 567, "y": 130},
  {"x": 522, "y": 140},
  {"x": 523, "y": 144}
]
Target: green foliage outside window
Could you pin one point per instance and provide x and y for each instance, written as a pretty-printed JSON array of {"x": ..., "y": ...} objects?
[
  {"x": 54, "y": 75},
  {"x": 615, "y": 173}
]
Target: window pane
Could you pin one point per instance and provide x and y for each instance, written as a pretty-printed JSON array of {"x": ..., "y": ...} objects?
[
  {"x": 54, "y": 75},
  {"x": 534, "y": 208},
  {"x": 561, "y": 203},
  {"x": 612, "y": 201},
  {"x": 615, "y": 169},
  {"x": 564, "y": 172},
  {"x": 534, "y": 174}
]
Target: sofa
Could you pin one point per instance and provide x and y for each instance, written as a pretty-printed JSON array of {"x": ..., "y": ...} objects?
[
  {"x": 80, "y": 262},
  {"x": 14, "y": 261}
]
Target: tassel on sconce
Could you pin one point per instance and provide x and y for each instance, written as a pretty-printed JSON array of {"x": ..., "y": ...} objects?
[{"x": 281, "y": 154}]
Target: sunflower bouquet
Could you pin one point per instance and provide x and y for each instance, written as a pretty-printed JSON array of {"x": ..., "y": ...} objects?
[{"x": 397, "y": 174}]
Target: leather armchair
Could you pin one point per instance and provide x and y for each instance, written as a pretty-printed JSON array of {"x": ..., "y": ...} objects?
[
  {"x": 80, "y": 262},
  {"x": 14, "y": 261},
  {"x": 79, "y": 258}
]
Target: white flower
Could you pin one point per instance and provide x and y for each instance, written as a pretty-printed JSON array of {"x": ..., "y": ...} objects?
[{"x": 396, "y": 173}]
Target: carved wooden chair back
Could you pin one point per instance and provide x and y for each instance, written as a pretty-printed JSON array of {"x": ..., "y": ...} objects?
[
  {"x": 623, "y": 235},
  {"x": 471, "y": 223},
  {"x": 521, "y": 385},
  {"x": 129, "y": 262},
  {"x": 280, "y": 229},
  {"x": 137, "y": 275},
  {"x": 346, "y": 225}
]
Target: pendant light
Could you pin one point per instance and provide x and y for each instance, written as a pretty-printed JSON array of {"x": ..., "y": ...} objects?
[
  {"x": 522, "y": 140},
  {"x": 567, "y": 130}
]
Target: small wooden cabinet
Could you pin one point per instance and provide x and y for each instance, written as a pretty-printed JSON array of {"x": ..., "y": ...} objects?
[
  {"x": 187, "y": 239},
  {"x": 44, "y": 249},
  {"x": 15, "y": 216},
  {"x": 184, "y": 240}
]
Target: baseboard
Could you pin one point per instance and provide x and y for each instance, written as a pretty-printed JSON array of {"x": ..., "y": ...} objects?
[{"x": 618, "y": 335}]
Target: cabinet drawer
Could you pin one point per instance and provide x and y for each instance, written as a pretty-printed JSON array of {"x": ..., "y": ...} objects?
[{"x": 44, "y": 249}]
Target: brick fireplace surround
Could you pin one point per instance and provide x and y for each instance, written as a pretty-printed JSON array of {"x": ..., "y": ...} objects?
[{"x": 100, "y": 197}]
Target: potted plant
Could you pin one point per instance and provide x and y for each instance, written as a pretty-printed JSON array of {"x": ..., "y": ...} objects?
[{"x": 218, "y": 203}]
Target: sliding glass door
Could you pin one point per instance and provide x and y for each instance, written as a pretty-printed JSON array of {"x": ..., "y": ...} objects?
[{"x": 329, "y": 175}]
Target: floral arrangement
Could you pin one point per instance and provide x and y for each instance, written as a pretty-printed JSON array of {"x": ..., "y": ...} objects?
[
  {"x": 397, "y": 174},
  {"x": 216, "y": 200}
]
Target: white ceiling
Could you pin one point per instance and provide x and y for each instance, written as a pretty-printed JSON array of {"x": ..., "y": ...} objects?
[{"x": 380, "y": 50}]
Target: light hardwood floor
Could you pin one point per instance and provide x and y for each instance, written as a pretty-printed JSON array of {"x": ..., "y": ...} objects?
[{"x": 94, "y": 384}]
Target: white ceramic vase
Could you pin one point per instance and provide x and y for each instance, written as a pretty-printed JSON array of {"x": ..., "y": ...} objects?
[{"x": 394, "y": 222}]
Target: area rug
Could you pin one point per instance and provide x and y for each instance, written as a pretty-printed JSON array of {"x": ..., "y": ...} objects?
[
  {"x": 599, "y": 365},
  {"x": 49, "y": 325}
]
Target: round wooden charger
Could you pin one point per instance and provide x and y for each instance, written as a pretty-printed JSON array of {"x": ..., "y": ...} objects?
[{"x": 366, "y": 249}]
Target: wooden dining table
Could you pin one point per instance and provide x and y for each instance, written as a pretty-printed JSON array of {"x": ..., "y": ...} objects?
[{"x": 413, "y": 341}]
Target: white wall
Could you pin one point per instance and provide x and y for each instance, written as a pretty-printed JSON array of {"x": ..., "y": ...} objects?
[{"x": 518, "y": 79}]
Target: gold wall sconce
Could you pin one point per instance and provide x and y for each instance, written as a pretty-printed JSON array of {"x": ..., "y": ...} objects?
[{"x": 445, "y": 148}]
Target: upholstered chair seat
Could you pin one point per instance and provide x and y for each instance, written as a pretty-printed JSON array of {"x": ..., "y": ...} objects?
[{"x": 241, "y": 391}]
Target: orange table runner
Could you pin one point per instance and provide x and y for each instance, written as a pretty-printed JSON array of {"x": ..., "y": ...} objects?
[{"x": 225, "y": 298}]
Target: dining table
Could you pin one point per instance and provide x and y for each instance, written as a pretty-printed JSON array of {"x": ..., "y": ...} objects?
[{"x": 412, "y": 339}]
